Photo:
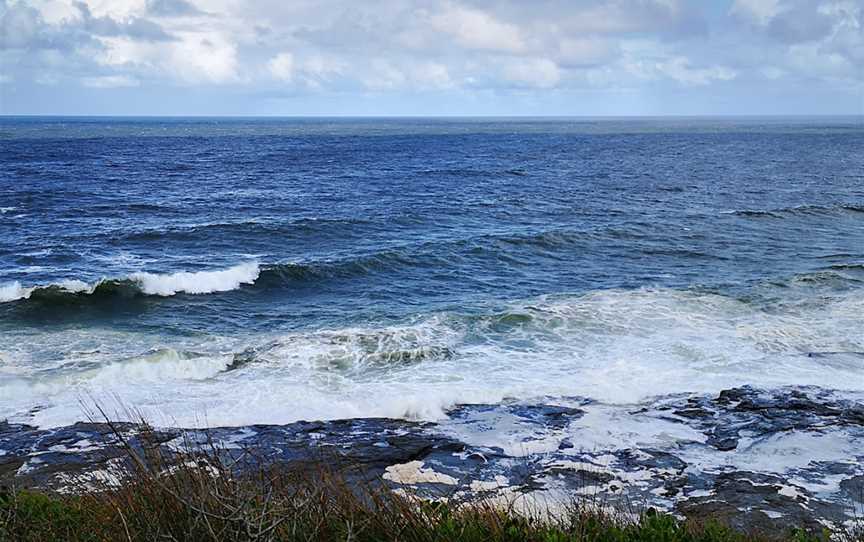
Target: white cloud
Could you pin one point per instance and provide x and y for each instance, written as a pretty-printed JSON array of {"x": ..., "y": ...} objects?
[
  {"x": 385, "y": 75},
  {"x": 811, "y": 59},
  {"x": 117, "y": 9},
  {"x": 281, "y": 66},
  {"x": 210, "y": 57},
  {"x": 476, "y": 29},
  {"x": 680, "y": 69},
  {"x": 433, "y": 75},
  {"x": 109, "y": 81},
  {"x": 413, "y": 46},
  {"x": 581, "y": 52},
  {"x": 194, "y": 58},
  {"x": 760, "y": 11},
  {"x": 538, "y": 73},
  {"x": 317, "y": 70},
  {"x": 56, "y": 11}
]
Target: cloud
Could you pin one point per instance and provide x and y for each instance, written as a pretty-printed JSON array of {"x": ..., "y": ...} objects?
[
  {"x": 281, "y": 66},
  {"x": 192, "y": 58},
  {"x": 317, "y": 70},
  {"x": 133, "y": 27},
  {"x": 432, "y": 75},
  {"x": 171, "y": 8},
  {"x": 21, "y": 26},
  {"x": 758, "y": 11},
  {"x": 476, "y": 29},
  {"x": 578, "y": 52},
  {"x": 537, "y": 73},
  {"x": 109, "y": 81},
  {"x": 473, "y": 49},
  {"x": 384, "y": 75},
  {"x": 681, "y": 70}
]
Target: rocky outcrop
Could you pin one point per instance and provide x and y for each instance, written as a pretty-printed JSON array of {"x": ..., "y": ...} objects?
[{"x": 757, "y": 459}]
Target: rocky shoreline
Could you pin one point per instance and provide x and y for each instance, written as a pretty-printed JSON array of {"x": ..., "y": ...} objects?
[{"x": 757, "y": 459}]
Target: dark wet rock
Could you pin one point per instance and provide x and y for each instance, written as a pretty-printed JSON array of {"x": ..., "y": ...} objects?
[
  {"x": 581, "y": 477},
  {"x": 656, "y": 460},
  {"x": 692, "y": 412},
  {"x": 675, "y": 485},
  {"x": 550, "y": 416},
  {"x": 754, "y": 502},
  {"x": 758, "y": 413},
  {"x": 49, "y": 458},
  {"x": 723, "y": 441},
  {"x": 853, "y": 488}
]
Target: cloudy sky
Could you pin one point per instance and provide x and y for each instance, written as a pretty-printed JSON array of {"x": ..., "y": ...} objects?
[{"x": 432, "y": 57}]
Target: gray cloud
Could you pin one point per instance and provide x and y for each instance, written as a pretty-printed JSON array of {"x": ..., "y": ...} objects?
[
  {"x": 800, "y": 23},
  {"x": 135, "y": 27}
]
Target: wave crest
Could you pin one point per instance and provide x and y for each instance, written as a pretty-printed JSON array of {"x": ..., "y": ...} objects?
[
  {"x": 163, "y": 285},
  {"x": 800, "y": 210},
  {"x": 201, "y": 282}
]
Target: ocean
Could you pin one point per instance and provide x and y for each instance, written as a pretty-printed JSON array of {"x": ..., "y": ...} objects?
[{"x": 229, "y": 272}]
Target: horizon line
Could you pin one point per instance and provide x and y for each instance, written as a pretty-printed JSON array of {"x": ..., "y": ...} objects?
[{"x": 398, "y": 116}]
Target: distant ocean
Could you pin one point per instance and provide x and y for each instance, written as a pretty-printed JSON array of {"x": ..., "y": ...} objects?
[{"x": 244, "y": 271}]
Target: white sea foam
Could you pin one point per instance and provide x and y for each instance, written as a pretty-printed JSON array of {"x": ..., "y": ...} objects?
[
  {"x": 616, "y": 347},
  {"x": 159, "y": 366},
  {"x": 201, "y": 282}
]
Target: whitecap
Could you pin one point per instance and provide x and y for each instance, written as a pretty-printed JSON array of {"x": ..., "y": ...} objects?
[
  {"x": 13, "y": 292},
  {"x": 201, "y": 282},
  {"x": 167, "y": 284}
]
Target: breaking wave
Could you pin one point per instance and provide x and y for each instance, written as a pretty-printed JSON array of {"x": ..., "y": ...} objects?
[
  {"x": 164, "y": 285},
  {"x": 613, "y": 346}
]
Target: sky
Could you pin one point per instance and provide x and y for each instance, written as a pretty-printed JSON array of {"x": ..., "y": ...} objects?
[{"x": 432, "y": 57}]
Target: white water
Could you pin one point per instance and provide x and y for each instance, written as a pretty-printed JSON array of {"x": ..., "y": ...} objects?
[
  {"x": 617, "y": 347},
  {"x": 168, "y": 284},
  {"x": 202, "y": 282},
  {"x": 12, "y": 291}
]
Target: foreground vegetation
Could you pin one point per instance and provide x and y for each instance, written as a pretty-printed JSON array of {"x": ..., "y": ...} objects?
[
  {"x": 195, "y": 497},
  {"x": 191, "y": 504}
]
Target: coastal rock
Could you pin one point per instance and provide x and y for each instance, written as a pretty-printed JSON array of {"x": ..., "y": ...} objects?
[{"x": 756, "y": 459}]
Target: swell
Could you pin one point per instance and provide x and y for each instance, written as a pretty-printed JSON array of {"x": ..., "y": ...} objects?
[
  {"x": 261, "y": 225},
  {"x": 430, "y": 254},
  {"x": 516, "y": 247},
  {"x": 800, "y": 210}
]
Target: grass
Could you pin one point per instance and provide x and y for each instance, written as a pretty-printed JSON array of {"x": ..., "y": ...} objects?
[
  {"x": 320, "y": 510},
  {"x": 194, "y": 497}
]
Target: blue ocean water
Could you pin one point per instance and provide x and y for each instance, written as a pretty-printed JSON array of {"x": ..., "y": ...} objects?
[{"x": 268, "y": 270}]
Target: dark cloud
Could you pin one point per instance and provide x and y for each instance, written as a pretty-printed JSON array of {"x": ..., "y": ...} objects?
[
  {"x": 135, "y": 27},
  {"x": 23, "y": 27},
  {"x": 803, "y": 22}
]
